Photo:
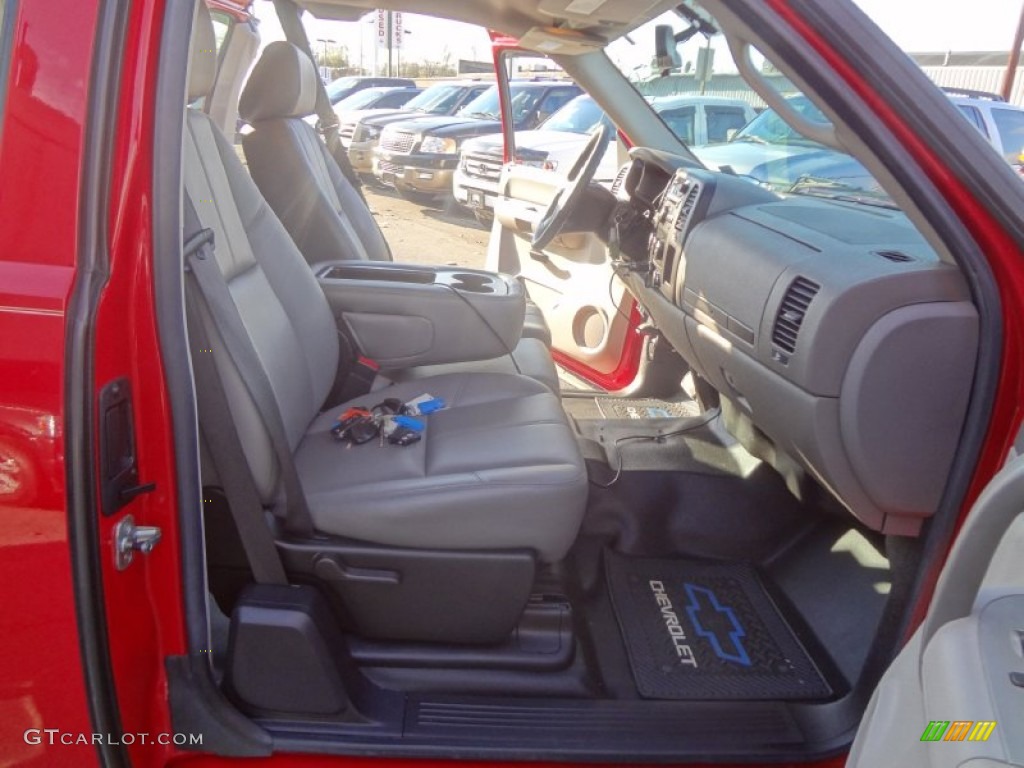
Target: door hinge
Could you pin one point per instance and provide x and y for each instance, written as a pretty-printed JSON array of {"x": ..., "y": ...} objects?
[{"x": 130, "y": 538}]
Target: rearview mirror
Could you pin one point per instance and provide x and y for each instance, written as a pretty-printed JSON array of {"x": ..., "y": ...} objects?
[{"x": 665, "y": 50}]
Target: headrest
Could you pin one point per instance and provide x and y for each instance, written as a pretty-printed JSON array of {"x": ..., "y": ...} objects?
[
  {"x": 202, "y": 54},
  {"x": 282, "y": 84}
]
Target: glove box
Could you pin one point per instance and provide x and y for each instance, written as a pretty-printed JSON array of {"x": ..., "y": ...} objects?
[{"x": 405, "y": 315}]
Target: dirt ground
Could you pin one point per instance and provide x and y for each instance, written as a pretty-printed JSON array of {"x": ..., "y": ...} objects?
[{"x": 428, "y": 235}]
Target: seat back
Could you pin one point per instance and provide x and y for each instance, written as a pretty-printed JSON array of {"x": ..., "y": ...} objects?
[
  {"x": 282, "y": 306},
  {"x": 323, "y": 212}
]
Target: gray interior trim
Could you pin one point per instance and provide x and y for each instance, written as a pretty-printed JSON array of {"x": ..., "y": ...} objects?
[
  {"x": 993, "y": 514},
  {"x": 906, "y": 90},
  {"x": 404, "y": 324}
]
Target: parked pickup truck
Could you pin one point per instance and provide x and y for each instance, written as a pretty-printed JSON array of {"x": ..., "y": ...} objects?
[{"x": 418, "y": 157}]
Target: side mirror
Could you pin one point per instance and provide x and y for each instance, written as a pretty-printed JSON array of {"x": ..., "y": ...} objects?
[
  {"x": 729, "y": 134},
  {"x": 665, "y": 50}
]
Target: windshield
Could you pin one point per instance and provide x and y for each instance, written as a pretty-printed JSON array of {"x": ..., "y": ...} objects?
[
  {"x": 487, "y": 106},
  {"x": 581, "y": 115},
  {"x": 361, "y": 99},
  {"x": 436, "y": 100},
  {"x": 703, "y": 100}
]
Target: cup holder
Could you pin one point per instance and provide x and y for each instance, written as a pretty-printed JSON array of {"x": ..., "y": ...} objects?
[{"x": 471, "y": 283}]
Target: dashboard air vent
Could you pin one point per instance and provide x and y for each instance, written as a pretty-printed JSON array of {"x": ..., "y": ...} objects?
[
  {"x": 686, "y": 207},
  {"x": 791, "y": 313},
  {"x": 897, "y": 256},
  {"x": 620, "y": 179},
  {"x": 691, "y": 199}
]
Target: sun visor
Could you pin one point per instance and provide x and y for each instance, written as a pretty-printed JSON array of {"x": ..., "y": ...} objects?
[
  {"x": 334, "y": 11},
  {"x": 561, "y": 42},
  {"x": 614, "y": 14}
]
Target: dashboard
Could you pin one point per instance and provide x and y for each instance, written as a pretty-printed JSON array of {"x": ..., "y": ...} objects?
[{"x": 842, "y": 347}]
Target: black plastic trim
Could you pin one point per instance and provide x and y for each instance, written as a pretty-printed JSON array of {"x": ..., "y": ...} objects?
[
  {"x": 190, "y": 678},
  {"x": 197, "y": 707},
  {"x": 91, "y": 275}
]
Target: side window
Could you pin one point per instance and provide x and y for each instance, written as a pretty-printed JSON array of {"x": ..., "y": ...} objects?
[
  {"x": 1010, "y": 125},
  {"x": 555, "y": 100},
  {"x": 680, "y": 122},
  {"x": 722, "y": 120},
  {"x": 394, "y": 99},
  {"x": 974, "y": 116},
  {"x": 524, "y": 107}
]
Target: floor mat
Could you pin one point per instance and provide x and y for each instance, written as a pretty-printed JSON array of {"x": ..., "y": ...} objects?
[
  {"x": 706, "y": 631},
  {"x": 616, "y": 408}
]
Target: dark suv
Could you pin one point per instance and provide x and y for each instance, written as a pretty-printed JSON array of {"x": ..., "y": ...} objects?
[
  {"x": 419, "y": 156},
  {"x": 362, "y": 132}
]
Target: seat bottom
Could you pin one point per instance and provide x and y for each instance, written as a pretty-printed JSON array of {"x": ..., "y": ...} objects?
[{"x": 499, "y": 468}]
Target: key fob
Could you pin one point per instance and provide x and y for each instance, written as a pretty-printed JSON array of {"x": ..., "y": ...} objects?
[{"x": 403, "y": 436}]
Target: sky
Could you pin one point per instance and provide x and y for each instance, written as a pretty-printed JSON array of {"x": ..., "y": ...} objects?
[{"x": 915, "y": 25}]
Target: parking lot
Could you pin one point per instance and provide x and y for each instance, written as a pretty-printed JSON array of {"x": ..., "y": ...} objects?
[{"x": 427, "y": 235}]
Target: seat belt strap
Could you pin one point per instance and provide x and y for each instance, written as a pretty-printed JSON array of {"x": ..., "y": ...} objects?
[
  {"x": 291, "y": 23},
  {"x": 201, "y": 265},
  {"x": 228, "y": 456}
]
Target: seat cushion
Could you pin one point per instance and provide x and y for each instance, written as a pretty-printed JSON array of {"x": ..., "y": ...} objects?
[
  {"x": 532, "y": 358},
  {"x": 498, "y": 469}
]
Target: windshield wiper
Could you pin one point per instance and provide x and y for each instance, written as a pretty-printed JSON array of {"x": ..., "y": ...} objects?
[
  {"x": 752, "y": 139},
  {"x": 835, "y": 190},
  {"x": 484, "y": 115}
]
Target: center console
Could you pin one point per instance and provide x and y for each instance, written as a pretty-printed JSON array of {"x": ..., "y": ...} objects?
[{"x": 405, "y": 315}]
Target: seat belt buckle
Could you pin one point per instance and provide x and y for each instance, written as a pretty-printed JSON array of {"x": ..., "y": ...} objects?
[{"x": 366, "y": 368}]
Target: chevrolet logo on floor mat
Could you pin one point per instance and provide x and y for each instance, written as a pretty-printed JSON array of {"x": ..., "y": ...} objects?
[{"x": 717, "y": 624}]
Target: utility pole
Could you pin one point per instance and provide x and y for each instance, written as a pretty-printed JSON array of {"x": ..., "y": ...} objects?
[
  {"x": 1011, "y": 66},
  {"x": 391, "y": 33}
]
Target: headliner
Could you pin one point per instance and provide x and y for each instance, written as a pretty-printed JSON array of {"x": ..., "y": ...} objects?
[{"x": 602, "y": 20}]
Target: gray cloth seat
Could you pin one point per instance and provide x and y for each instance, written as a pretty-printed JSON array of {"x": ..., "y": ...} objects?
[
  {"x": 500, "y": 468},
  {"x": 325, "y": 215}
]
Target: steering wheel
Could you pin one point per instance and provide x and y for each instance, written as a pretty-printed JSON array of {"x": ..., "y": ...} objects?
[{"x": 569, "y": 194}]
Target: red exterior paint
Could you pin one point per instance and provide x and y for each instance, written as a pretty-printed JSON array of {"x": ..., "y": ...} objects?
[
  {"x": 1004, "y": 258},
  {"x": 144, "y": 609},
  {"x": 629, "y": 362},
  {"x": 41, "y": 682}
]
